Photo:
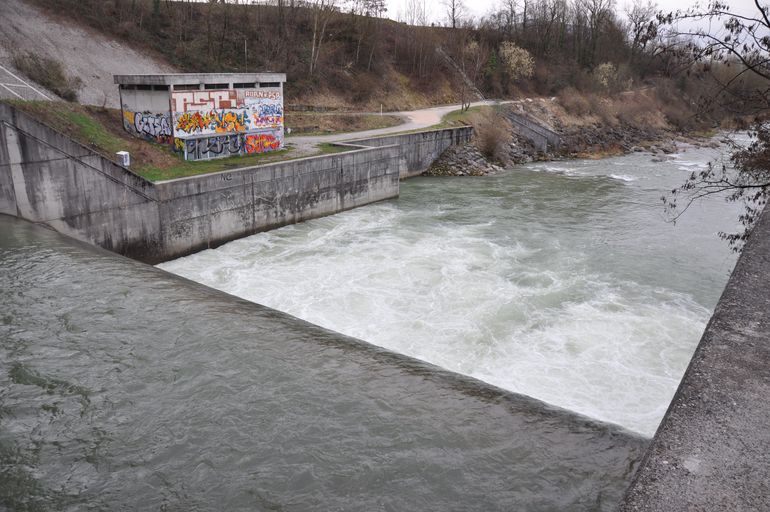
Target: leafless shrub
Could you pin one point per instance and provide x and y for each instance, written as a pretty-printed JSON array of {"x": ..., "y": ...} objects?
[
  {"x": 574, "y": 102},
  {"x": 492, "y": 134}
]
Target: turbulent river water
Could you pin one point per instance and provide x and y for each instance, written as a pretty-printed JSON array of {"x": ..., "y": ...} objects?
[
  {"x": 123, "y": 387},
  {"x": 561, "y": 281}
]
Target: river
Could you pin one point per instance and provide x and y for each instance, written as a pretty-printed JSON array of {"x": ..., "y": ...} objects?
[
  {"x": 562, "y": 281},
  {"x": 123, "y": 387}
]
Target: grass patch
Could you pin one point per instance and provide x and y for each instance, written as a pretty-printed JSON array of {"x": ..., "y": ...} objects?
[
  {"x": 186, "y": 168},
  {"x": 461, "y": 117},
  {"x": 49, "y": 73},
  {"x": 323, "y": 123},
  {"x": 102, "y": 131},
  {"x": 327, "y": 148}
]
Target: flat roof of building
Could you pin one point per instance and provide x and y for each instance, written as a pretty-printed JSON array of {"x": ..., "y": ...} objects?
[{"x": 198, "y": 78}]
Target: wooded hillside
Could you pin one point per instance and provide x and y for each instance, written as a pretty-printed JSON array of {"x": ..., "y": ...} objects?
[{"x": 349, "y": 54}]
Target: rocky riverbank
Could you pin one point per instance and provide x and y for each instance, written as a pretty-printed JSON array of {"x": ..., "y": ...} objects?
[{"x": 593, "y": 141}]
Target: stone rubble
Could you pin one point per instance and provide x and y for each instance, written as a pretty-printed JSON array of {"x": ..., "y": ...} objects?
[{"x": 586, "y": 141}]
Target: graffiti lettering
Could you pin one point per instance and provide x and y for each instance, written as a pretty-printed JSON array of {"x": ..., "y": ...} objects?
[
  {"x": 269, "y": 95},
  {"x": 191, "y": 122},
  {"x": 227, "y": 145},
  {"x": 270, "y": 109},
  {"x": 216, "y": 121},
  {"x": 267, "y": 121},
  {"x": 261, "y": 143},
  {"x": 154, "y": 127},
  {"x": 212, "y": 147},
  {"x": 268, "y": 114},
  {"x": 229, "y": 121},
  {"x": 183, "y": 101}
]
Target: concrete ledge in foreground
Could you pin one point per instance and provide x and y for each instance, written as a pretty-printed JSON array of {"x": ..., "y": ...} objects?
[{"x": 712, "y": 449}]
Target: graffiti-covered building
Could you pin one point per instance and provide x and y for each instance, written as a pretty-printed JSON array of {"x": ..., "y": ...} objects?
[{"x": 205, "y": 115}]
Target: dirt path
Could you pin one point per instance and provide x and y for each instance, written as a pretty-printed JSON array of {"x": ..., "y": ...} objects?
[{"x": 83, "y": 53}]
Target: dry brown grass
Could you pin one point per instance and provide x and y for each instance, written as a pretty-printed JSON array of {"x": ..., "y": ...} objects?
[
  {"x": 336, "y": 122},
  {"x": 574, "y": 102},
  {"x": 640, "y": 109},
  {"x": 492, "y": 134}
]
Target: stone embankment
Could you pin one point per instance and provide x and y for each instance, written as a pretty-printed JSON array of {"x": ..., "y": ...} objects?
[
  {"x": 594, "y": 141},
  {"x": 468, "y": 160}
]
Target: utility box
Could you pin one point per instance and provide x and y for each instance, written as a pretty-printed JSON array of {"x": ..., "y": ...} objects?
[
  {"x": 124, "y": 158},
  {"x": 205, "y": 115}
]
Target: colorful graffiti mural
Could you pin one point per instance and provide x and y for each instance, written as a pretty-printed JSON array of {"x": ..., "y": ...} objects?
[
  {"x": 205, "y": 123},
  {"x": 209, "y": 122},
  {"x": 215, "y": 121},
  {"x": 268, "y": 115},
  {"x": 148, "y": 125},
  {"x": 261, "y": 143},
  {"x": 228, "y": 145}
]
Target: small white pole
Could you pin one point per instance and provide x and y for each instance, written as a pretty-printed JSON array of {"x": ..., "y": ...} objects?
[{"x": 380, "y": 108}]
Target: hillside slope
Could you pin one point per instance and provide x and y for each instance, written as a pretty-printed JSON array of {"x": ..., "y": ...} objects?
[{"x": 83, "y": 53}]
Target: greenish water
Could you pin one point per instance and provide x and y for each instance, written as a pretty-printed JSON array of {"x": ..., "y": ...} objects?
[
  {"x": 123, "y": 387},
  {"x": 561, "y": 281}
]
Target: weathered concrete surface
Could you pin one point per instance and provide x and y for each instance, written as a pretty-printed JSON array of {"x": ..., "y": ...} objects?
[
  {"x": 419, "y": 150},
  {"x": 46, "y": 177},
  {"x": 198, "y": 78},
  {"x": 540, "y": 136},
  {"x": 712, "y": 449}
]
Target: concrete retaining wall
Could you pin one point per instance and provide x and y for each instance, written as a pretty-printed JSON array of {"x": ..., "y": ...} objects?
[
  {"x": 539, "y": 135},
  {"x": 711, "y": 451},
  {"x": 419, "y": 150},
  {"x": 46, "y": 177}
]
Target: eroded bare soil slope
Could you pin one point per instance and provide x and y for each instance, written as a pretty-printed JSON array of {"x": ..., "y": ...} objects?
[{"x": 83, "y": 53}]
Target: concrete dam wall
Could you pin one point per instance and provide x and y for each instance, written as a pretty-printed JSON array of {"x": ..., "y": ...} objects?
[{"x": 46, "y": 177}]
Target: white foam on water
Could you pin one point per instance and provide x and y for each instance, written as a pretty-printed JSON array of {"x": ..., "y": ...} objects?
[
  {"x": 508, "y": 284},
  {"x": 623, "y": 177},
  {"x": 613, "y": 351}
]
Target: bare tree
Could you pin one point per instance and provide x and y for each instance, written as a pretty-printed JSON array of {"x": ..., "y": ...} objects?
[
  {"x": 743, "y": 46},
  {"x": 456, "y": 11},
  {"x": 322, "y": 10},
  {"x": 599, "y": 12},
  {"x": 641, "y": 24}
]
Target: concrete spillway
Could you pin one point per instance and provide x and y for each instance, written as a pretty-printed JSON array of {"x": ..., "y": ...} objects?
[{"x": 125, "y": 387}]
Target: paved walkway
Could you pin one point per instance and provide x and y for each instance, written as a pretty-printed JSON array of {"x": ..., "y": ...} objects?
[{"x": 413, "y": 120}]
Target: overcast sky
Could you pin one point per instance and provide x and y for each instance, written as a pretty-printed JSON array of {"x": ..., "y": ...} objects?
[{"x": 478, "y": 8}]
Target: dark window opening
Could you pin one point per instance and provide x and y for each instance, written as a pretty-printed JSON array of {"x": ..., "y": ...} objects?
[
  {"x": 247, "y": 85},
  {"x": 127, "y": 87},
  {"x": 269, "y": 84},
  {"x": 216, "y": 86},
  {"x": 186, "y": 87},
  {"x": 160, "y": 87},
  {"x": 143, "y": 87}
]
